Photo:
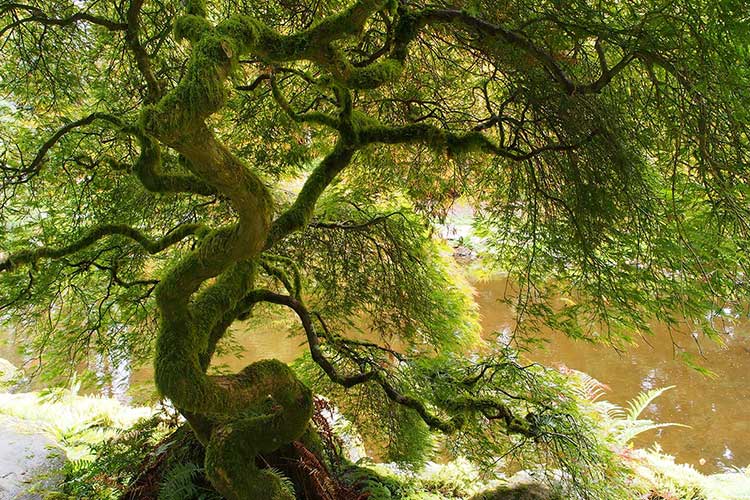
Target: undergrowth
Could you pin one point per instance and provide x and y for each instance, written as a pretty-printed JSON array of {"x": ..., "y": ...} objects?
[{"x": 114, "y": 453}]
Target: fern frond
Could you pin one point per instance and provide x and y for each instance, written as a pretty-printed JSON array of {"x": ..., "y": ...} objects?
[
  {"x": 629, "y": 432},
  {"x": 589, "y": 388},
  {"x": 179, "y": 482},
  {"x": 640, "y": 403},
  {"x": 285, "y": 481},
  {"x": 611, "y": 410}
]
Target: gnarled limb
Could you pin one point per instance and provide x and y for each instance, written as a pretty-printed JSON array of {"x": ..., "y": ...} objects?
[
  {"x": 490, "y": 409},
  {"x": 146, "y": 168},
  {"x": 95, "y": 234}
]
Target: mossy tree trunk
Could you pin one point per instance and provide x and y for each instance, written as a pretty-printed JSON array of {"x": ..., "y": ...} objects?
[
  {"x": 301, "y": 462},
  {"x": 264, "y": 406}
]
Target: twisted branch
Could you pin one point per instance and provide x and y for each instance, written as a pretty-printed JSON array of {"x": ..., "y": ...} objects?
[
  {"x": 490, "y": 409},
  {"x": 95, "y": 234}
]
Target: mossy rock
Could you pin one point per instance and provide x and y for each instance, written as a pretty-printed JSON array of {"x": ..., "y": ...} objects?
[{"x": 530, "y": 491}]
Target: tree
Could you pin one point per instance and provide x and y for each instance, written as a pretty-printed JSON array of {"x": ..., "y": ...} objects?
[{"x": 148, "y": 194}]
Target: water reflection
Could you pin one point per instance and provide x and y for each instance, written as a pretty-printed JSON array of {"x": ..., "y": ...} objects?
[{"x": 113, "y": 376}]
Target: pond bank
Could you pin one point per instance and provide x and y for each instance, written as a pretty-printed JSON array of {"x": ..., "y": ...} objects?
[{"x": 29, "y": 460}]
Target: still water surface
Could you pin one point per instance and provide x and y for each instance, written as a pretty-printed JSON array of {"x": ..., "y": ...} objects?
[{"x": 716, "y": 409}]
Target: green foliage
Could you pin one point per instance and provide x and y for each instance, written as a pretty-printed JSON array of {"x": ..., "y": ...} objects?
[
  {"x": 522, "y": 492},
  {"x": 112, "y": 463},
  {"x": 563, "y": 431},
  {"x": 180, "y": 484},
  {"x": 603, "y": 145},
  {"x": 397, "y": 282},
  {"x": 410, "y": 442},
  {"x": 378, "y": 486}
]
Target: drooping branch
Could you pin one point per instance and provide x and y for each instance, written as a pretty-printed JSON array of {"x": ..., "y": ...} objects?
[
  {"x": 95, "y": 234},
  {"x": 142, "y": 60},
  {"x": 38, "y": 162},
  {"x": 119, "y": 281},
  {"x": 492, "y": 410},
  {"x": 146, "y": 166},
  {"x": 486, "y": 30},
  {"x": 312, "y": 337},
  {"x": 408, "y": 27},
  {"x": 39, "y": 16},
  {"x": 354, "y": 226}
]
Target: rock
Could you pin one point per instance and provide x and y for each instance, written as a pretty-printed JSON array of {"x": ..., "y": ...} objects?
[
  {"x": 28, "y": 459},
  {"x": 11, "y": 378},
  {"x": 530, "y": 491},
  {"x": 8, "y": 373}
]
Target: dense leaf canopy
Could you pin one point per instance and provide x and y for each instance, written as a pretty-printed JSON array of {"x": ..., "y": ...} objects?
[{"x": 168, "y": 166}]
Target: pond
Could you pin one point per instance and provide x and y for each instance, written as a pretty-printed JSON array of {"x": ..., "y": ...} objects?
[{"x": 716, "y": 409}]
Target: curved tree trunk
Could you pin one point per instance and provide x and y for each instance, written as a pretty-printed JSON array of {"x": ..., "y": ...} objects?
[{"x": 264, "y": 406}]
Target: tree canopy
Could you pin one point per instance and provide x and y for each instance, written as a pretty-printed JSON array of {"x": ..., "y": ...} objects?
[{"x": 170, "y": 167}]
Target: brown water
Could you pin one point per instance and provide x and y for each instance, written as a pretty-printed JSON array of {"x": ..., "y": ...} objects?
[{"x": 716, "y": 409}]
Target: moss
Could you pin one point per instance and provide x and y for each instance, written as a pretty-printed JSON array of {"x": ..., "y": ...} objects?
[
  {"x": 196, "y": 7},
  {"x": 243, "y": 30},
  {"x": 349, "y": 22},
  {"x": 406, "y": 30},
  {"x": 375, "y": 485},
  {"x": 465, "y": 143},
  {"x": 373, "y": 75},
  {"x": 280, "y": 415},
  {"x": 191, "y": 28},
  {"x": 522, "y": 492}
]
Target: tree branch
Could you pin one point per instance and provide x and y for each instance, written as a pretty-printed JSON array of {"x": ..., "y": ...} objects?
[
  {"x": 448, "y": 426},
  {"x": 301, "y": 211},
  {"x": 455, "y": 143},
  {"x": 353, "y": 226},
  {"x": 312, "y": 338},
  {"x": 142, "y": 59},
  {"x": 312, "y": 116},
  {"x": 95, "y": 234},
  {"x": 145, "y": 168},
  {"x": 39, "y": 16},
  {"x": 38, "y": 161}
]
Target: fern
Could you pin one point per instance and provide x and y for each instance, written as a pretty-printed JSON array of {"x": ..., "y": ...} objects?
[
  {"x": 179, "y": 482},
  {"x": 285, "y": 481},
  {"x": 590, "y": 388},
  {"x": 642, "y": 400},
  {"x": 623, "y": 424}
]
